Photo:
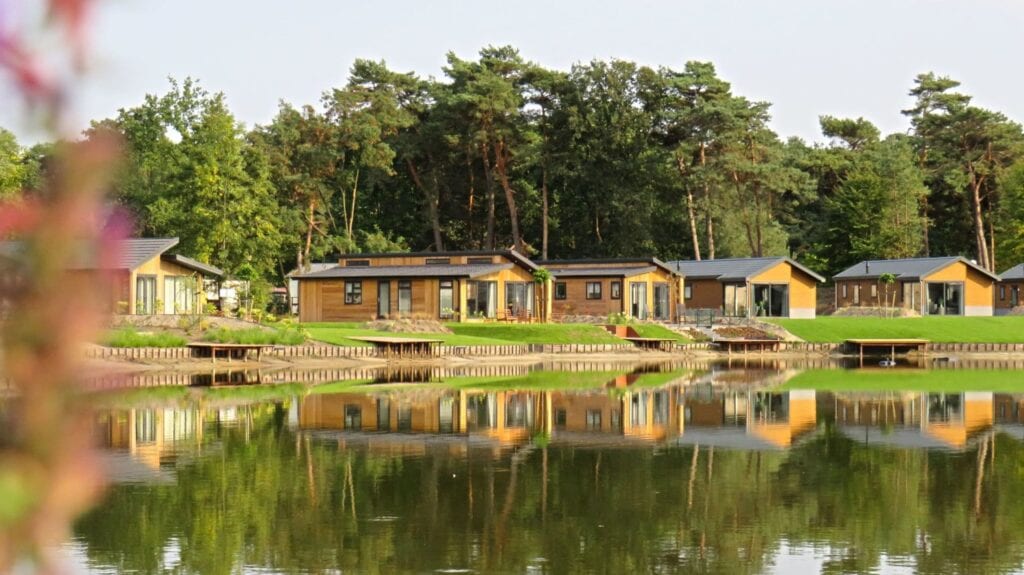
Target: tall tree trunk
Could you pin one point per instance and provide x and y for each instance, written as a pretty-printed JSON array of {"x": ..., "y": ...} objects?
[
  {"x": 707, "y": 204},
  {"x": 711, "y": 236},
  {"x": 310, "y": 225},
  {"x": 501, "y": 163},
  {"x": 471, "y": 205},
  {"x": 432, "y": 199},
  {"x": 489, "y": 177},
  {"x": 544, "y": 215},
  {"x": 690, "y": 208},
  {"x": 350, "y": 221},
  {"x": 981, "y": 242}
]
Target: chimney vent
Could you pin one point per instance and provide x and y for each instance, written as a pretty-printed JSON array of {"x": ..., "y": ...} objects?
[{"x": 867, "y": 267}]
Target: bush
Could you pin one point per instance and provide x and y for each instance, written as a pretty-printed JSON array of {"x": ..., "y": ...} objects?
[
  {"x": 128, "y": 337},
  {"x": 256, "y": 336}
]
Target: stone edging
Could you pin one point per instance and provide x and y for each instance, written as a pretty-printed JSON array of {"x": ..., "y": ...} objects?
[{"x": 333, "y": 351}]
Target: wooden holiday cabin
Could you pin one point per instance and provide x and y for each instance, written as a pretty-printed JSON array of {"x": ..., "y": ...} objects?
[
  {"x": 750, "y": 287},
  {"x": 930, "y": 286},
  {"x": 449, "y": 286},
  {"x": 1008, "y": 292},
  {"x": 641, "y": 288},
  {"x": 145, "y": 278}
]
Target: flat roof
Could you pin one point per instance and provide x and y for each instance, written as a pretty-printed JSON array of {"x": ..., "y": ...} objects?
[
  {"x": 582, "y": 263},
  {"x": 417, "y": 271},
  {"x": 600, "y": 272}
]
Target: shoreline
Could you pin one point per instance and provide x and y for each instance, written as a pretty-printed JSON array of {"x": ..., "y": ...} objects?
[{"x": 115, "y": 364}]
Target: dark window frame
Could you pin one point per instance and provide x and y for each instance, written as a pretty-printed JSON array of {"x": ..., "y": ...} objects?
[
  {"x": 354, "y": 296},
  {"x": 437, "y": 261},
  {"x": 357, "y": 263},
  {"x": 596, "y": 295},
  {"x": 615, "y": 289},
  {"x": 687, "y": 292},
  {"x": 480, "y": 260},
  {"x": 561, "y": 291}
]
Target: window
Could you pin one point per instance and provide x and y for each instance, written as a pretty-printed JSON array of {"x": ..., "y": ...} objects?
[
  {"x": 353, "y": 417},
  {"x": 480, "y": 260},
  {"x": 856, "y": 294},
  {"x": 560, "y": 417},
  {"x": 874, "y": 291},
  {"x": 357, "y": 263},
  {"x": 353, "y": 292},
  {"x": 446, "y": 295},
  {"x": 145, "y": 295},
  {"x": 383, "y": 414},
  {"x": 594, "y": 419},
  {"x": 481, "y": 299},
  {"x": 519, "y": 298},
  {"x": 179, "y": 294},
  {"x": 844, "y": 291},
  {"x": 438, "y": 261},
  {"x": 404, "y": 297},
  {"x": 1014, "y": 295},
  {"x": 688, "y": 292},
  {"x": 616, "y": 289},
  {"x": 561, "y": 291},
  {"x": 593, "y": 290},
  {"x": 1002, "y": 293}
]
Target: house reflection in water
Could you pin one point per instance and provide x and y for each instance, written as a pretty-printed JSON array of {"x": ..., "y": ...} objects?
[
  {"x": 506, "y": 418},
  {"x": 916, "y": 420},
  {"x": 144, "y": 445}
]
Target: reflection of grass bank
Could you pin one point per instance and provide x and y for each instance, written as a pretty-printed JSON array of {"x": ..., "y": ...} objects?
[
  {"x": 340, "y": 333},
  {"x": 949, "y": 329},
  {"x": 896, "y": 380},
  {"x": 180, "y": 395}
]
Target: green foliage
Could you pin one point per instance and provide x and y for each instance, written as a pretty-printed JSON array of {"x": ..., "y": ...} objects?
[
  {"x": 609, "y": 159},
  {"x": 130, "y": 337},
  {"x": 257, "y": 336},
  {"x": 190, "y": 173}
]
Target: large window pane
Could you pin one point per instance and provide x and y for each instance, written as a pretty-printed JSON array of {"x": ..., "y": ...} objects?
[{"x": 482, "y": 299}]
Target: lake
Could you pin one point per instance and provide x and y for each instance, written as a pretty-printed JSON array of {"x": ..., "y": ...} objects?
[{"x": 770, "y": 467}]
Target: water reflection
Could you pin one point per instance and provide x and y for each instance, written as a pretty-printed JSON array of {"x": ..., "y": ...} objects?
[{"x": 666, "y": 470}]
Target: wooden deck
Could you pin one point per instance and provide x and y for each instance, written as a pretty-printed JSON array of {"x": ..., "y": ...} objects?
[
  {"x": 655, "y": 343},
  {"x": 918, "y": 345},
  {"x": 229, "y": 350},
  {"x": 759, "y": 345},
  {"x": 401, "y": 346}
]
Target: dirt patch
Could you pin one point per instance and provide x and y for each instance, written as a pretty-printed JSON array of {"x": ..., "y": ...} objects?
[
  {"x": 743, "y": 332},
  {"x": 408, "y": 326}
]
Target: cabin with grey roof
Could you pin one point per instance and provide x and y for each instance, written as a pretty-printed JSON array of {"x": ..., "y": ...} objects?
[
  {"x": 950, "y": 285},
  {"x": 750, "y": 287}
]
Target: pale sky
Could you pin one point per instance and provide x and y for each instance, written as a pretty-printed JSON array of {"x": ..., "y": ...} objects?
[{"x": 806, "y": 57}]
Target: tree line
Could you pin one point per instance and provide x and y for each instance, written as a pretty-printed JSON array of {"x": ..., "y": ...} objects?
[{"x": 607, "y": 159}]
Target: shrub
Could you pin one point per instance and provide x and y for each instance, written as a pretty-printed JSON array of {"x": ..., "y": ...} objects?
[
  {"x": 128, "y": 337},
  {"x": 256, "y": 336}
]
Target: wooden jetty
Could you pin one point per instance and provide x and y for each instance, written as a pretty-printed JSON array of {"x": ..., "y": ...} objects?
[
  {"x": 401, "y": 347},
  {"x": 908, "y": 345}
]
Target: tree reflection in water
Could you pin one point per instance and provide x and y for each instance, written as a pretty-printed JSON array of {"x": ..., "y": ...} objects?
[{"x": 489, "y": 481}]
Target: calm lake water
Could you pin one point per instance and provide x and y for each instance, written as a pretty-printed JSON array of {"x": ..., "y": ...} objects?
[{"x": 593, "y": 468}]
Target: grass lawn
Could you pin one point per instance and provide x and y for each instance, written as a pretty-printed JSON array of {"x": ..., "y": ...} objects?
[
  {"x": 654, "y": 330},
  {"x": 1006, "y": 329},
  {"x": 470, "y": 333},
  {"x": 898, "y": 380}
]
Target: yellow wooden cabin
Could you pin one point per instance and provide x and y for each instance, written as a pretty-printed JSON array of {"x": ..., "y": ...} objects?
[
  {"x": 929, "y": 286},
  {"x": 750, "y": 287},
  {"x": 449, "y": 286},
  {"x": 641, "y": 288}
]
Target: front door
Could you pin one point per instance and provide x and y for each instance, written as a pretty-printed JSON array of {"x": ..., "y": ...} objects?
[
  {"x": 638, "y": 300},
  {"x": 383, "y": 299}
]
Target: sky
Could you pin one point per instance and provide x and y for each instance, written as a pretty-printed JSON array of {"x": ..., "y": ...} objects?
[{"x": 806, "y": 57}]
